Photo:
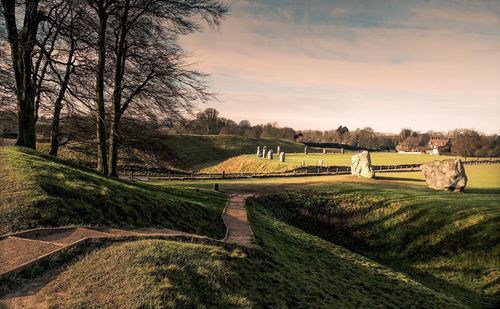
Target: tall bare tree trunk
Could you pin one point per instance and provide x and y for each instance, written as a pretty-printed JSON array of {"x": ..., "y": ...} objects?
[
  {"x": 102, "y": 162},
  {"x": 117, "y": 93},
  {"x": 22, "y": 44},
  {"x": 58, "y": 105}
]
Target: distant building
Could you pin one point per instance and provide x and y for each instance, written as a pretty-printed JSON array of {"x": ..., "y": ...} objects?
[
  {"x": 409, "y": 146},
  {"x": 436, "y": 146}
]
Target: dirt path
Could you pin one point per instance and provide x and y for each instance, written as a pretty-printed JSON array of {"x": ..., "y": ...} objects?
[
  {"x": 236, "y": 220},
  {"x": 20, "y": 250}
]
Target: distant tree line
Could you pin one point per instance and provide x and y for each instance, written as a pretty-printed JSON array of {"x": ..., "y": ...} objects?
[{"x": 464, "y": 142}]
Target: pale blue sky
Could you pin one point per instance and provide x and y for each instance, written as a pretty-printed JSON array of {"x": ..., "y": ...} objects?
[{"x": 428, "y": 65}]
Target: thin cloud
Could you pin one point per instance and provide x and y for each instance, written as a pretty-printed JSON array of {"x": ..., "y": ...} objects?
[{"x": 272, "y": 59}]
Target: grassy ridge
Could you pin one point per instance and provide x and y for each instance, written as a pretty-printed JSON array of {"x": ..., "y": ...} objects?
[
  {"x": 38, "y": 190},
  {"x": 294, "y": 269},
  {"x": 197, "y": 151},
  {"x": 448, "y": 242}
]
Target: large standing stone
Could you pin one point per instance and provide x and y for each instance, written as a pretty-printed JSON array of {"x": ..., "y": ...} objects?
[
  {"x": 258, "y": 151},
  {"x": 264, "y": 151},
  {"x": 282, "y": 156},
  {"x": 270, "y": 154},
  {"x": 445, "y": 175},
  {"x": 324, "y": 150},
  {"x": 278, "y": 149},
  {"x": 361, "y": 165},
  {"x": 305, "y": 149}
]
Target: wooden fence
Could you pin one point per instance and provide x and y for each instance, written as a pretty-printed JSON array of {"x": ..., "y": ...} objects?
[{"x": 297, "y": 172}]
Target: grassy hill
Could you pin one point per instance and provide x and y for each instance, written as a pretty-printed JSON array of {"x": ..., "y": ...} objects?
[
  {"x": 350, "y": 242},
  {"x": 197, "y": 151},
  {"x": 186, "y": 152},
  {"x": 38, "y": 190},
  {"x": 294, "y": 269}
]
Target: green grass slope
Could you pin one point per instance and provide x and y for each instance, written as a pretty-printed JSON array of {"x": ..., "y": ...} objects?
[
  {"x": 38, "y": 190},
  {"x": 196, "y": 151},
  {"x": 450, "y": 242},
  {"x": 251, "y": 164},
  {"x": 294, "y": 270}
]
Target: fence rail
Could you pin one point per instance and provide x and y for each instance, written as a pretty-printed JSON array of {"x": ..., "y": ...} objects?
[{"x": 297, "y": 172}]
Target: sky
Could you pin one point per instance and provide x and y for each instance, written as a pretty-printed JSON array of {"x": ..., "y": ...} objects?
[{"x": 384, "y": 64}]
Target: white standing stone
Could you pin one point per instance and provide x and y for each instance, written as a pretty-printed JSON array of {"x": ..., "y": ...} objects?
[
  {"x": 305, "y": 149},
  {"x": 320, "y": 163},
  {"x": 282, "y": 156},
  {"x": 302, "y": 163},
  {"x": 278, "y": 149},
  {"x": 324, "y": 150},
  {"x": 264, "y": 151},
  {"x": 258, "y": 151},
  {"x": 270, "y": 154},
  {"x": 361, "y": 165}
]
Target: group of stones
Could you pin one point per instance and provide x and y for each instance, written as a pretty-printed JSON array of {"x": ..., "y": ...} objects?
[
  {"x": 264, "y": 153},
  {"x": 440, "y": 175},
  {"x": 446, "y": 175}
]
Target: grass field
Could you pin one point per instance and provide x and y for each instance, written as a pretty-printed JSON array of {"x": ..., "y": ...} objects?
[
  {"x": 327, "y": 241},
  {"x": 188, "y": 152},
  {"x": 294, "y": 269},
  {"x": 198, "y": 151},
  {"x": 447, "y": 241},
  {"x": 38, "y": 190},
  {"x": 250, "y": 163}
]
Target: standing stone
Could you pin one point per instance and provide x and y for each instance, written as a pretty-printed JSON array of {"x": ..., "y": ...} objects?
[
  {"x": 278, "y": 150},
  {"x": 258, "y": 151},
  {"x": 302, "y": 163},
  {"x": 305, "y": 149},
  {"x": 341, "y": 150},
  {"x": 282, "y": 156},
  {"x": 270, "y": 154},
  {"x": 320, "y": 163},
  {"x": 445, "y": 175},
  {"x": 361, "y": 165},
  {"x": 264, "y": 151},
  {"x": 324, "y": 150}
]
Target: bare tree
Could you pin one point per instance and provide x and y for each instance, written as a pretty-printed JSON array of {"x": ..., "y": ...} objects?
[
  {"x": 22, "y": 42},
  {"x": 150, "y": 76}
]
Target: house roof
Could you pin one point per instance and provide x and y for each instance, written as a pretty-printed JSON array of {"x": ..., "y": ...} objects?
[{"x": 438, "y": 142}]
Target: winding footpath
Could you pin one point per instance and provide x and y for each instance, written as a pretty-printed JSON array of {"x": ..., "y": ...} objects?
[
  {"x": 236, "y": 220},
  {"x": 23, "y": 249}
]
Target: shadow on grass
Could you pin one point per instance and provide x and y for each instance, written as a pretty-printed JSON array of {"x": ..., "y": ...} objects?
[
  {"x": 399, "y": 179},
  {"x": 62, "y": 194},
  {"x": 402, "y": 235},
  {"x": 482, "y": 191},
  {"x": 301, "y": 269}
]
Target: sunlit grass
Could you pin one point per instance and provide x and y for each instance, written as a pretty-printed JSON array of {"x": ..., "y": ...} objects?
[
  {"x": 38, "y": 190},
  {"x": 250, "y": 163}
]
